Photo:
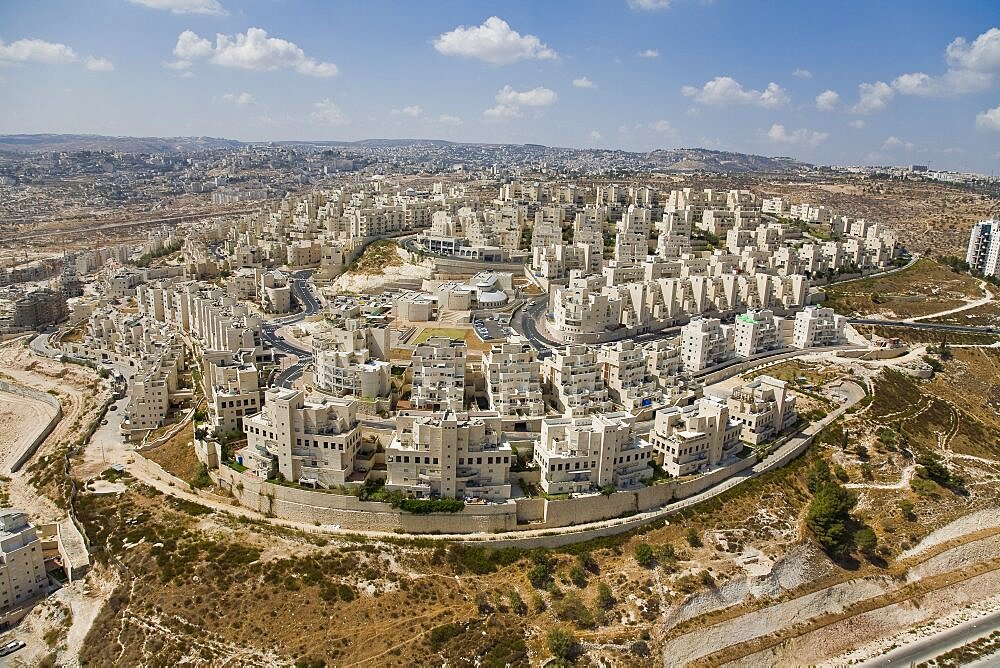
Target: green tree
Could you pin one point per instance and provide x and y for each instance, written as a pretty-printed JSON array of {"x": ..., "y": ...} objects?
[
  {"x": 866, "y": 541},
  {"x": 644, "y": 555},
  {"x": 562, "y": 644},
  {"x": 818, "y": 476},
  {"x": 828, "y": 516}
]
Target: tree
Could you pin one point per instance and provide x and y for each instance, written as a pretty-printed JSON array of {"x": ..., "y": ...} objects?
[
  {"x": 828, "y": 516},
  {"x": 906, "y": 509},
  {"x": 866, "y": 541},
  {"x": 562, "y": 644},
  {"x": 933, "y": 469},
  {"x": 605, "y": 599},
  {"x": 818, "y": 476},
  {"x": 644, "y": 555}
]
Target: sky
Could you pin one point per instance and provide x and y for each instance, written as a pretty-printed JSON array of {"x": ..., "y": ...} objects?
[{"x": 846, "y": 82}]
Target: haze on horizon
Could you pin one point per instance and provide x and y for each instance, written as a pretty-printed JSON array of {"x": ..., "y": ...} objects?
[{"x": 856, "y": 83}]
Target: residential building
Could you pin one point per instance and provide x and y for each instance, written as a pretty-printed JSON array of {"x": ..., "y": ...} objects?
[
  {"x": 232, "y": 387},
  {"x": 695, "y": 439},
  {"x": 983, "y": 255},
  {"x": 817, "y": 326},
  {"x": 626, "y": 374},
  {"x": 583, "y": 454},
  {"x": 763, "y": 407},
  {"x": 449, "y": 454},
  {"x": 311, "y": 441},
  {"x": 22, "y": 567},
  {"x": 705, "y": 342},
  {"x": 575, "y": 380},
  {"x": 513, "y": 380},
  {"x": 438, "y": 370},
  {"x": 756, "y": 331}
]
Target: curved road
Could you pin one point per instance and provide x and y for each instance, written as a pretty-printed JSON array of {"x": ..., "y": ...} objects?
[
  {"x": 309, "y": 306},
  {"x": 926, "y": 649}
]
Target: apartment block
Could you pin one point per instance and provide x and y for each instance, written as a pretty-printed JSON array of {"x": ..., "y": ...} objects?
[
  {"x": 983, "y": 255},
  {"x": 449, "y": 454},
  {"x": 314, "y": 440},
  {"x": 626, "y": 374},
  {"x": 513, "y": 380},
  {"x": 818, "y": 326},
  {"x": 763, "y": 407},
  {"x": 695, "y": 439},
  {"x": 232, "y": 387},
  {"x": 756, "y": 331},
  {"x": 438, "y": 371},
  {"x": 22, "y": 567},
  {"x": 576, "y": 381},
  {"x": 705, "y": 342},
  {"x": 583, "y": 454}
]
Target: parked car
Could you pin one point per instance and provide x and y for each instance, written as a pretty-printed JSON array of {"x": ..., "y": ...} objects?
[{"x": 11, "y": 647}]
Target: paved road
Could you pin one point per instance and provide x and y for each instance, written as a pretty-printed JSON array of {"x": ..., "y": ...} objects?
[
  {"x": 939, "y": 643},
  {"x": 309, "y": 306}
]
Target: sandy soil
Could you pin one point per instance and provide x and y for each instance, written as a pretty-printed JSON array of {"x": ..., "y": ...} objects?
[
  {"x": 351, "y": 282},
  {"x": 21, "y": 420}
]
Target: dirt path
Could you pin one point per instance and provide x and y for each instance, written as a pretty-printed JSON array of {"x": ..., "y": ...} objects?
[
  {"x": 986, "y": 299},
  {"x": 904, "y": 481}
]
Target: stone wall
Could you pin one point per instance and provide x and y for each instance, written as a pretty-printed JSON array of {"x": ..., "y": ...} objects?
[{"x": 28, "y": 393}]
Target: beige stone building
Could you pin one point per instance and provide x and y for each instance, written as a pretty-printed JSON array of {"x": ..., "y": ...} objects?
[
  {"x": 22, "y": 567},
  {"x": 438, "y": 371},
  {"x": 694, "y": 439},
  {"x": 575, "y": 380}
]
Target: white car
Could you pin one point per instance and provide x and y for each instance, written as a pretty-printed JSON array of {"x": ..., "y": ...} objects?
[{"x": 11, "y": 647}]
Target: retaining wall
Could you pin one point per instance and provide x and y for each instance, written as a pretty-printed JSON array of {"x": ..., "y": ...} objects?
[{"x": 28, "y": 393}]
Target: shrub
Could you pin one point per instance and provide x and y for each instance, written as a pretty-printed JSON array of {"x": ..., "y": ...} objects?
[
  {"x": 578, "y": 577},
  {"x": 562, "y": 644},
  {"x": 442, "y": 634},
  {"x": 571, "y": 608},
  {"x": 605, "y": 599},
  {"x": 866, "y": 541},
  {"x": 906, "y": 509},
  {"x": 644, "y": 555},
  {"x": 828, "y": 516},
  {"x": 693, "y": 539},
  {"x": 516, "y": 602}
]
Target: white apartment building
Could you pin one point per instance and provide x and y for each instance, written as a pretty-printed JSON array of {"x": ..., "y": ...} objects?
[
  {"x": 232, "y": 387},
  {"x": 314, "y": 441},
  {"x": 438, "y": 369},
  {"x": 449, "y": 454},
  {"x": 513, "y": 380},
  {"x": 348, "y": 360},
  {"x": 582, "y": 313},
  {"x": 817, "y": 326},
  {"x": 756, "y": 331},
  {"x": 705, "y": 342},
  {"x": 626, "y": 374},
  {"x": 576, "y": 381},
  {"x": 764, "y": 408},
  {"x": 695, "y": 439},
  {"x": 22, "y": 567},
  {"x": 582, "y": 454},
  {"x": 983, "y": 255}
]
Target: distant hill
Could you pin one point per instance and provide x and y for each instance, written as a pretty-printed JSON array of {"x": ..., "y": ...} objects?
[
  {"x": 53, "y": 142},
  {"x": 674, "y": 159},
  {"x": 705, "y": 160}
]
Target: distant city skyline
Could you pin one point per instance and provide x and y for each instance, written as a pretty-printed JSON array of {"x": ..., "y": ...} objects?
[{"x": 851, "y": 83}]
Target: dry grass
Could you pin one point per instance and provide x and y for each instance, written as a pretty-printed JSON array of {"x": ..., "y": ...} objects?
[
  {"x": 926, "y": 287},
  {"x": 177, "y": 455}
]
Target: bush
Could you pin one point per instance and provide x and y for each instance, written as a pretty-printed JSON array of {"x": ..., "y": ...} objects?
[
  {"x": 578, "y": 577},
  {"x": 587, "y": 562},
  {"x": 866, "y": 541},
  {"x": 442, "y": 634},
  {"x": 906, "y": 509},
  {"x": 693, "y": 539},
  {"x": 540, "y": 574},
  {"x": 571, "y": 608},
  {"x": 644, "y": 555},
  {"x": 562, "y": 644},
  {"x": 516, "y": 602},
  {"x": 828, "y": 517},
  {"x": 201, "y": 480},
  {"x": 605, "y": 598}
]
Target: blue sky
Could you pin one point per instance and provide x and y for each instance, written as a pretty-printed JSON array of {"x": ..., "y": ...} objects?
[{"x": 837, "y": 83}]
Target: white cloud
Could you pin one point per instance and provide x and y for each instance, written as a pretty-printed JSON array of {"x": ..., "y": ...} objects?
[
  {"x": 983, "y": 55},
  {"x": 596, "y": 136},
  {"x": 186, "y": 75},
  {"x": 802, "y": 74},
  {"x": 413, "y": 111},
  {"x": 584, "y": 82},
  {"x": 240, "y": 99},
  {"x": 649, "y": 5},
  {"x": 447, "y": 119},
  {"x": 37, "y": 51},
  {"x": 662, "y": 126},
  {"x": 952, "y": 82},
  {"x": 536, "y": 97},
  {"x": 873, "y": 97},
  {"x": 827, "y": 100},
  {"x": 95, "y": 64},
  {"x": 191, "y": 47},
  {"x": 253, "y": 50},
  {"x": 726, "y": 91},
  {"x": 989, "y": 119},
  {"x": 893, "y": 143},
  {"x": 494, "y": 42},
  {"x": 649, "y": 53},
  {"x": 857, "y": 124},
  {"x": 510, "y": 102},
  {"x": 184, "y": 6},
  {"x": 801, "y": 137},
  {"x": 325, "y": 112}
]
